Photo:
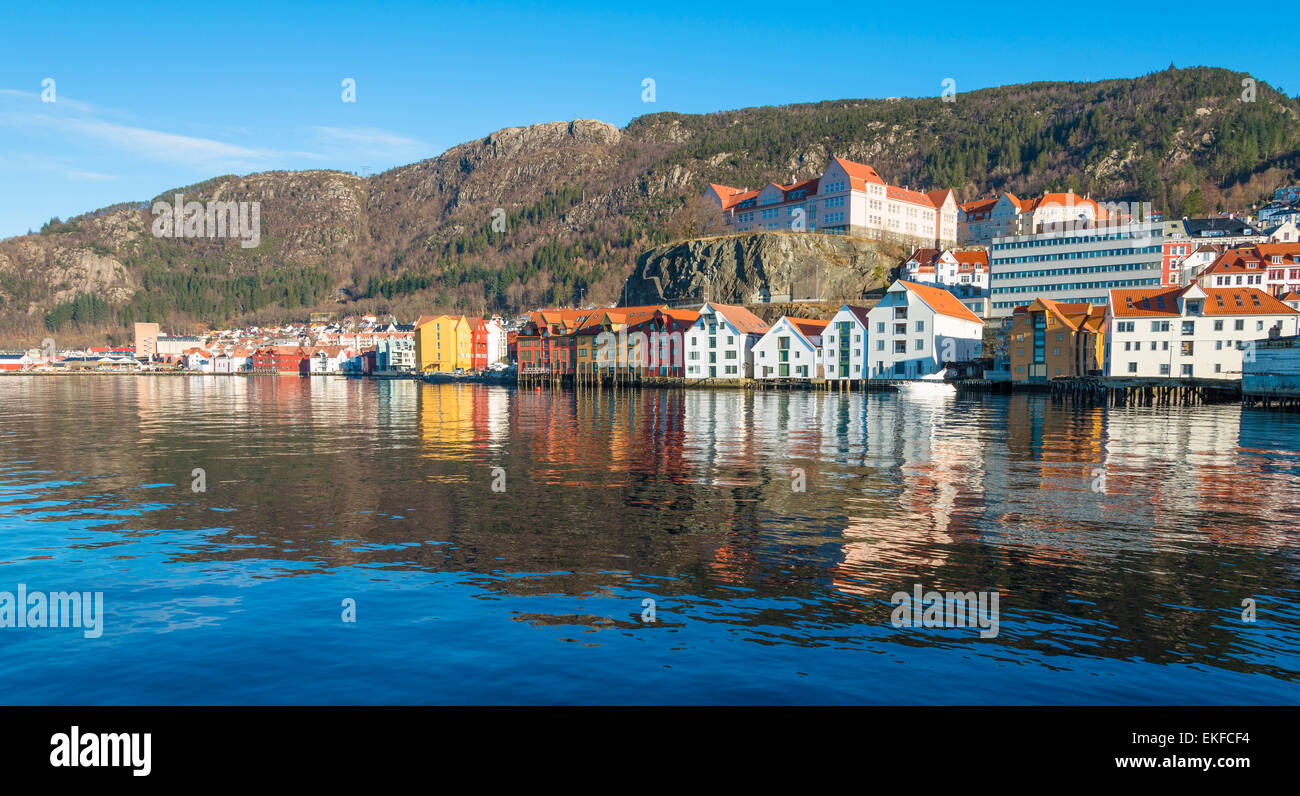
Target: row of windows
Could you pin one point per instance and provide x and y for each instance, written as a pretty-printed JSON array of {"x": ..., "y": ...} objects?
[
  {"x": 1076, "y": 286},
  {"x": 1081, "y": 269},
  {"x": 1022, "y": 244},
  {"x": 1188, "y": 327}
]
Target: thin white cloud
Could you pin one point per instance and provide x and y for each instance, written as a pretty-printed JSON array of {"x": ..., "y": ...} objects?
[{"x": 59, "y": 101}]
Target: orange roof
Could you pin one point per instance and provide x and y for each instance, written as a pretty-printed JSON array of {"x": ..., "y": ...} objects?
[
  {"x": 808, "y": 327},
  {"x": 941, "y": 301},
  {"x": 1159, "y": 302},
  {"x": 686, "y": 316},
  {"x": 979, "y": 257},
  {"x": 1290, "y": 295},
  {"x": 978, "y": 204},
  {"x": 859, "y": 173},
  {"x": 745, "y": 321},
  {"x": 1075, "y": 315}
]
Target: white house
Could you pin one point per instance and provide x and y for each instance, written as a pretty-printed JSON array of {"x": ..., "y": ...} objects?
[
  {"x": 844, "y": 345},
  {"x": 916, "y": 328},
  {"x": 791, "y": 349},
  {"x": 327, "y": 359},
  {"x": 232, "y": 361},
  {"x": 965, "y": 274},
  {"x": 496, "y": 341},
  {"x": 719, "y": 344},
  {"x": 1190, "y": 332},
  {"x": 198, "y": 359}
]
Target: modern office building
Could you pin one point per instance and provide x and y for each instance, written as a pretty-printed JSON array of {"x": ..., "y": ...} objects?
[{"x": 1076, "y": 265}]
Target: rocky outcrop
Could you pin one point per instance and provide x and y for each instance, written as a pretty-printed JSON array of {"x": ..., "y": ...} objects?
[{"x": 761, "y": 267}]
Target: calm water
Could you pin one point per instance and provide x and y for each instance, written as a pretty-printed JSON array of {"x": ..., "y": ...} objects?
[{"x": 319, "y": 490}]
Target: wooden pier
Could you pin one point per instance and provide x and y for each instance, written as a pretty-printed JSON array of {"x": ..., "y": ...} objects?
[{"x": 1096, "y": 391}]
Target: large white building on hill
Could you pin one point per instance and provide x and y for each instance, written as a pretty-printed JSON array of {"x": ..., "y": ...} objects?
[{"x": 848, "y": 198}]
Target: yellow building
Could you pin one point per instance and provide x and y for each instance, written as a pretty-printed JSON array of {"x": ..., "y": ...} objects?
[{"x": 443, "y": 343}]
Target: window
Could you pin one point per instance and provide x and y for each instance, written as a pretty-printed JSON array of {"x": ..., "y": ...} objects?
[
  {"x": 1218, "y": 326},
  {"x": 1164, "y": 369},
  {"x": 920, "y": 326},
  {"x": 880, "y": 345},
  {"x": 1187, "y": 371},
  {"x": 1132, "y": 367},
  {"x": 1187, "y": 348},
  {"x": 880, "y": 327},
  {"x": 920, "y": 345},
  {"x": 1189, "y": 327},
  {"x": 1238, "y": 325},
  {"x": 1125, "y": 326}
]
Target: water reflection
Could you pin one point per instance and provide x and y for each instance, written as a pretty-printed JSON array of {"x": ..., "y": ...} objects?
[{"x": 690, "y": 496}]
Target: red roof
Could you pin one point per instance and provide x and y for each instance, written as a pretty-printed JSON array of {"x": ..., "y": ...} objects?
[
  {"x": 858, "y": 312},
  {"x": 1162, "y": 302}
]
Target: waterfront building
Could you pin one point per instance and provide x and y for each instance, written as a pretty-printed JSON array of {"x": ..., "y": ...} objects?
[
  {"x": 396, "y": 353},
  {"x": 16, "y": 360},
  {"x": 790, "y": 349},
  {"x": 145, "y": 337},
  {"x": 234, "y": 360},
  {"x": 1076, "y": 265},
  {"x": 720, "y": 343},
  {"x": 443, "y": 343},
  {"x": 1190, "y": 332},
  {"x": 277, "y": 359},
  {"x": 844, "y": 345},
  {"x": 1051, "y": 339},
  {"x": 916, "y": 328},
  {"x": 497, "y": 347},
  {"x": 1273, "y": 372},
  {"x": 547, "y": 344},
  {"x": 478, "y": 341},
  {"x": 848, "y": 198},
  {"x": 668, "y": 350}
]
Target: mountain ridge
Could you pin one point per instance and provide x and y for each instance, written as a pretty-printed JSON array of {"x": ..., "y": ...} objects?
[{"x": 582, "y": 200}]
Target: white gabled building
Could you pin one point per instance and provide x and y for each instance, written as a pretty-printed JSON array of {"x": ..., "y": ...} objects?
[
  {"x": 791, "y": 349},
  {"x": 916, "y": 328},
  {"x": 844, "y": 345},
  {"x": 720, "y": 343},
  {"x": 1190, "y": 332}
]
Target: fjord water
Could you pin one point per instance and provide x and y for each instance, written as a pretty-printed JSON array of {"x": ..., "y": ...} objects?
[{"x": 321, "y": 489}]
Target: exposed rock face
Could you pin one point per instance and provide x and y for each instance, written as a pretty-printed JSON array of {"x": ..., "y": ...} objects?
[{"x": 761, "y": 267}]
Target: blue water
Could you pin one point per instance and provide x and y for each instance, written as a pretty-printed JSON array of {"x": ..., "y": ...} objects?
[{"x": 320, "y": 490}]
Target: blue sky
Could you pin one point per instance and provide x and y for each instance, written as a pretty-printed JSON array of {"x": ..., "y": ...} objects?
[{"x": 154, "y": 96}]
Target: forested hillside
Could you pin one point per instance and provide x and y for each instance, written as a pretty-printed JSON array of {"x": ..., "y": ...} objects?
[{"x": 581, "y": 200}]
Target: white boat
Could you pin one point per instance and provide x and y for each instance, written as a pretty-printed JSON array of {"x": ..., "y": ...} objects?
[{"x": 933, "y": 384}]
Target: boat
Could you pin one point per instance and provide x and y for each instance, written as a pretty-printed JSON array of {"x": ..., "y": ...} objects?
[{"x": 933, "y": 384}]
